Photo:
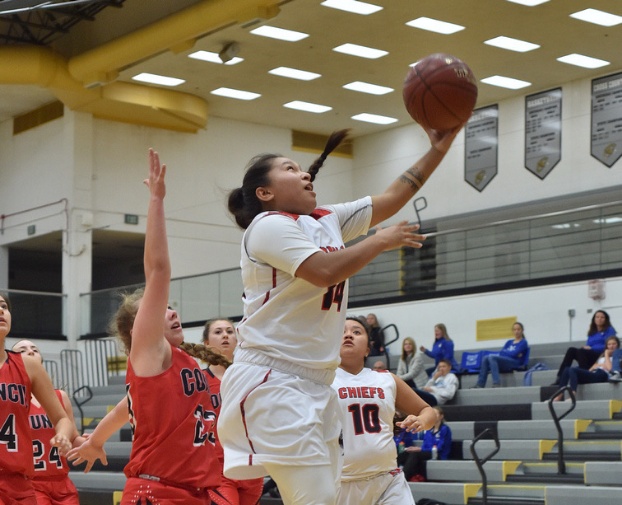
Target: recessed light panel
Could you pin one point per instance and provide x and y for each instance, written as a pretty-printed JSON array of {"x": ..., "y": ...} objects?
[
  {"x": 235, "y": 93},
  {"x": 158, "y": 79},
  {"x": 580, "y": 60},
  {"x": 434, "y": 25},
  {"x": 279, "y": 33},
  {"x": 307, "y": 107},
  {"x": 374, "y": 118},
  {"x": 512, "y": 44},
  {"x": 352, "y": 6},
  {"x": 505, "y": 82},
  {"x": 365, "y": 87},
  {"x": 213, "y": 57},
  {"x": 597, "y": 17},
  {"x": 529, "y": 3},
  {"x": 361, "y": 51},
  {"x": 294, "y": 73}
]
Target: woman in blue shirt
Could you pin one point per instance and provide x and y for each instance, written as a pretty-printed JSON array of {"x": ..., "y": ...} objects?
[
  {"x": 511, "y": 357},
  {"x": 600, "y": 329},
  {"x": 440, "y": 437},
  {"x": 443, "y": 348}
]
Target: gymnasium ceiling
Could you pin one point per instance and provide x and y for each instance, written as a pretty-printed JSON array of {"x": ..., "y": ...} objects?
[{"x": 85, "y": 53}]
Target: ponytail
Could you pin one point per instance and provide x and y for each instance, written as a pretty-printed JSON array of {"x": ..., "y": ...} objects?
[
  {"x": 204, "y": 353},
  {"x": 331, "y": 144}
]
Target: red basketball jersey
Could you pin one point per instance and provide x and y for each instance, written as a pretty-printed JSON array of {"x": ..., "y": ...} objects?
[
  {"x": 173, "y": 425},
  {"x": 15, "y": 440},
  {"x": 47, "y": 461}
]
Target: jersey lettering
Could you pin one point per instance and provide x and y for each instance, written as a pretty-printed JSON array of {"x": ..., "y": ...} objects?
[
  {"x": 366, "y": 419},
  {"x": 193, "y": 381},
  {"x": 40, "y": 421},
  {"x": 15, "y": 393},
  {"x": 38, "y": 453},
  {"x": 334, "y": 294},
  {"x": 360, "y": 392},
  {"x": 204, "y": 428},
  {"x": 8, "y": 436}
]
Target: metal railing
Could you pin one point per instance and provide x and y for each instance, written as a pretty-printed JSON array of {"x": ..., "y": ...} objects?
[{"x": 561, "y": 464}]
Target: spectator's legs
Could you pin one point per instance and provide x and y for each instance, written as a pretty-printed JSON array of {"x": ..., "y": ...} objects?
[
  {"x": 483, "y": 372},
  {"x": 586, "y": 358},
  {"x": 429, "y": 398},
  {"x": 615, "y": 360},
  {"x": 580, "y": 376},
  {"x": 416, "y": 463},
  {"x": 569, "y": 357},
  {"x": 501, "y": 364}
]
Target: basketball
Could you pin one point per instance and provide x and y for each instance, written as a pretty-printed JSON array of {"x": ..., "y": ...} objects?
[{"x": 440, "y": 91}]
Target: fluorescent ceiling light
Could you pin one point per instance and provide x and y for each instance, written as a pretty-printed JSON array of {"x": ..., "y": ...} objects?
[
  {"x": 293, "y": 73},
  {"x": 365, "y": 87},
  {"x": 362, "y": 51},
  {"x": 235, "y": 93},
  {"x": 158, "y": 79},
  {"x": 505, "y": 82},
  {"x": 213, "y": 57},
  {"x": 566, "y": 226},
  {"x": 512, "y": 44},
  {"x": 279, "y": 33},
  {"x": 597, "y": 17},
  {"x": 352, "y": 6},
  {"x": 374, "y": 118},
  {"x": 307, "y": 107},
  {"x": 434, "y": 25},
  {"x": 529, "y": 3},
  {"x": 608, "y": 220},
  {"x": 583, "y": 61}
]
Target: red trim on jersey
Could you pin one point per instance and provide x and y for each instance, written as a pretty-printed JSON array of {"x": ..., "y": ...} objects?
[
  {"x": 381, "y": 371},
  {"x": 320, "y": 213},
  {"x": 244, "y": 412},
  {"x": 267, "y": 297}
]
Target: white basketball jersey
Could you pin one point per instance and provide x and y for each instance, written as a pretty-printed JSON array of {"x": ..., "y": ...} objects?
[
  {"x": 366, "y": 408},
  {"x": 287, "y": 317}
]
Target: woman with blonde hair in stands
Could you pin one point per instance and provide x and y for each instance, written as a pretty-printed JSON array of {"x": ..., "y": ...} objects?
[
  {"x": 51, "y": 479},
  {"x": 411, "y": 368},
  {"x": 22, "y": 376},
  {"x": 443, "y": 348}
]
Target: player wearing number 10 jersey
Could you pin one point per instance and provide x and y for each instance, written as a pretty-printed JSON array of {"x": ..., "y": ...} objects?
[{"x": 367, "y": 403}]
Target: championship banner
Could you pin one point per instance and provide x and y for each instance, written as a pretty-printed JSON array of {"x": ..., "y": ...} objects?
[
  {"x": 481, "y": 147},
  {"x": 543, "y": 131},
  {"x": 606, "y": 132}
]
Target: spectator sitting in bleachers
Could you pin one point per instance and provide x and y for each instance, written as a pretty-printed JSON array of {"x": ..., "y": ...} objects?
[
  {"x": 379, "y": 366},
  {"x": 586, "y": 356},
  {"x": 443, "y": 348},
  {"x": 376, "y": 336},
  {"x": 599, "y": 372},
  {"x": 511, "y": 357},
  {"x": 410, "y": 368},
  {"x": 616, "y": 369},
  {"x": 415, "y": 464},
  {"x": 441, "y": 387}
]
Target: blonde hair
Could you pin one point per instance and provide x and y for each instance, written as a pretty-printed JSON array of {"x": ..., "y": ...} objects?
[
  {"x": 204, "y": 353},
  {"x": 443, "y": 329},
  {"x": 412, "y": 341}
]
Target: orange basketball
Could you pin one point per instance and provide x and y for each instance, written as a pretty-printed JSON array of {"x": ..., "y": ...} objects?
[{"x": 440, "y": 91}]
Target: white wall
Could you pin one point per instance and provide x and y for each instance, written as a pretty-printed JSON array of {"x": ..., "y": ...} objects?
[
  {"x": 542, "y": 310},
  {"x": 36, "y": 168}
]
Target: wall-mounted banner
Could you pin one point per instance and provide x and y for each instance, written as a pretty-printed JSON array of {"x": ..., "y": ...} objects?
[
  {"x": 543, "y": 131},
  {"x": 481, "y": 147},
  {"x": 606, "y": 129}
]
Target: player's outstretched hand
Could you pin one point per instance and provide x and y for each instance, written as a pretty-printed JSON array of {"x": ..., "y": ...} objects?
[
  {"x": 157, "y": 171},
  {"x": 88, "y": 453},
  {"x": 400, "y": 235},
  {"x": 411, "y": 424},
  {"x": 441, "y": 140},
  {"x": 62, "y": 443}
]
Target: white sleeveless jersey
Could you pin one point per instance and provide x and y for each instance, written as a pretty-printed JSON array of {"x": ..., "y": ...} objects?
[
  {"x": 366, "y": 409},
  {"x": 286, "y": 317}
]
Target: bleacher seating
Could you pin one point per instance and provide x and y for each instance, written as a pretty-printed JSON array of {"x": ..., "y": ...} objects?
[{"x": 523, "y": 472}]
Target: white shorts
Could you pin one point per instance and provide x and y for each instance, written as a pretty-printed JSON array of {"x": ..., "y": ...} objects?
[
  {"x": 384, "y": 489},
  {"x": 276, "y": 417}
]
